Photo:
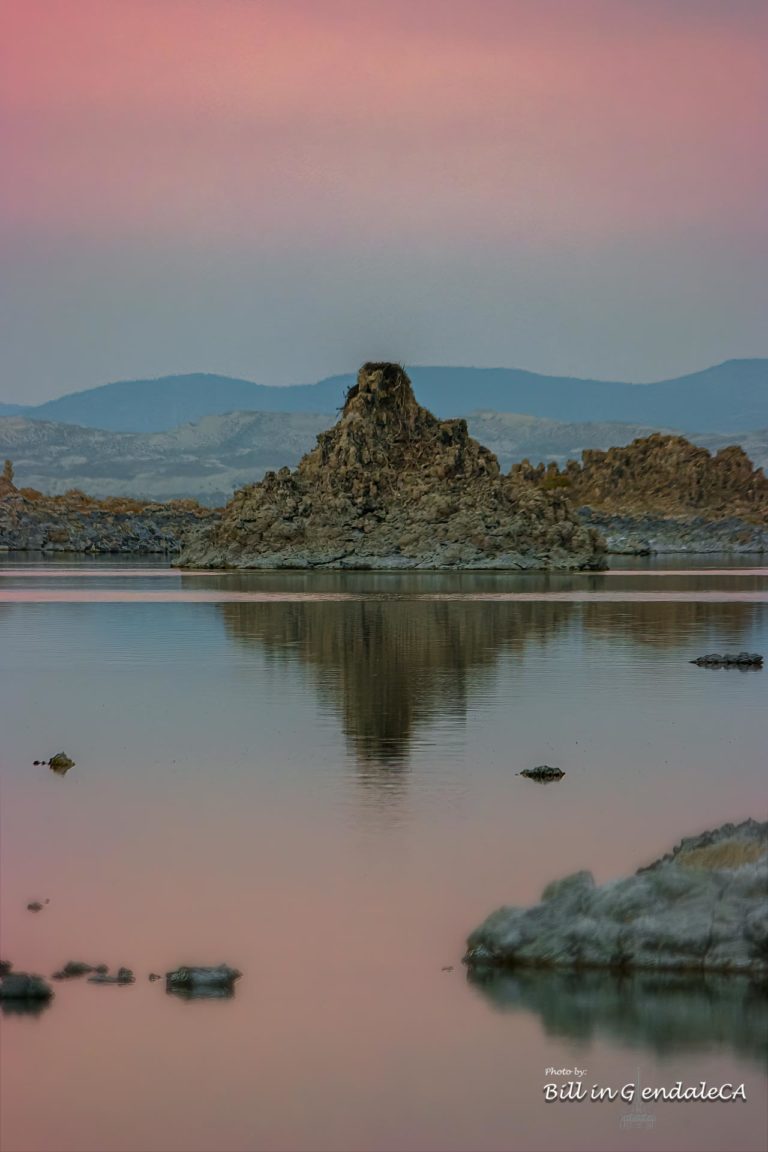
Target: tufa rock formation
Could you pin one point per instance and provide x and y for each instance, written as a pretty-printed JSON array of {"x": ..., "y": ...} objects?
[
  {"x": 663, "y": 476},
  {"x": 664, "y": 494},
  {"x": 391, "y": 486},
  {"x": 703, "y": 908}
]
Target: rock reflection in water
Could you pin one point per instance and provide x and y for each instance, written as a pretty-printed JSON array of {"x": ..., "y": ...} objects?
[
  {"x": 201, "y": 993},
  {"x": 393, "y": 660},
  {"x": 388, "y": 667},
  {"x": 666, "y": 1013},
  {"x": 670, "y": 624}
]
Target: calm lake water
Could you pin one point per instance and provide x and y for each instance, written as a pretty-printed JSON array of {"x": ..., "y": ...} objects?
[{"x": 313, "y": 777}]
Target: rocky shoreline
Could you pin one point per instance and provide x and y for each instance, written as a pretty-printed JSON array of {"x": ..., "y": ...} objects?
[
  {"x": 658, "y": 536},
  {"x": 74, "y": 522}
]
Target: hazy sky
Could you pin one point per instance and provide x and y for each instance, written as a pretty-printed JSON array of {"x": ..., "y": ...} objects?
[{"x": 279, "y": 190}]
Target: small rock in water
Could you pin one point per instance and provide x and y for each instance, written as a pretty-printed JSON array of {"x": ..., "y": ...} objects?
[
  {"x": 24, "y": 986},
  {"x": 123, "y": 976},
  {"x": 74, "y": 968},
  {"x": 729, "y": 660},
  {"x": 202, "y": 982},
  {"x": 447, "y": 968},
  {"x": 60, "y": 763},
  {"x": 154, "y": 976},
  {"x": 544, "y": 774},
  {"x": 34, "y": 906}
]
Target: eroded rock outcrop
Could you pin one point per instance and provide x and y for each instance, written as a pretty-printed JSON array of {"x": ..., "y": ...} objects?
[
  {"x": 391, "y": 486},
  {"x": 661, "y": 493},
  {"x": 702, "y": 907}
]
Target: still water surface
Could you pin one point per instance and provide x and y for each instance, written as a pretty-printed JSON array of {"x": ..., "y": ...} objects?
[{"x": 313, "y": 777}]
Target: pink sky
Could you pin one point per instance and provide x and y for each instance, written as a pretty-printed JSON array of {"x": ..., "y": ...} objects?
[{"x": 247, "y": 137}]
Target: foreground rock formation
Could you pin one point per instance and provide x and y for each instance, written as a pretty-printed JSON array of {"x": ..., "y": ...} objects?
[
  {"x": 74, "y": 522},
  {"x": 664, "y": 494},
  {"x": 391, "y": 486},
  {"x": 702, "y": 907}
]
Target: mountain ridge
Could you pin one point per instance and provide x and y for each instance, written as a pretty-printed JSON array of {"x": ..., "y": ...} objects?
[{"x": 723, "y": 398}]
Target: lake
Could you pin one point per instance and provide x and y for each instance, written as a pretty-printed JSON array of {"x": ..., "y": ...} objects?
[{"x": 314, "y": 777}]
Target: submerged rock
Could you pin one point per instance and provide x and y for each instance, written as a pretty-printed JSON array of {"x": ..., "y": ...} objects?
[
  {"x": 35, "y": 906},
  {"x": 202, "y": 982},
  {"x": 61, "y": 763},
  {"x": 730, "y": 660},
  {"x": 122, "y": 976},
  {"x": 544, "y": 774},
  {"x": 24, "y": 986},
  {"x": 391, "y": 486},
  {"x": 703, "y": 907}
]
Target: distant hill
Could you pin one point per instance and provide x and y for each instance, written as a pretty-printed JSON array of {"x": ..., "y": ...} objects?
[
  {"x": 162, "y": 404},
  {"x": 730, "y": 397},
  {"x": 219, "y": 453}
]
